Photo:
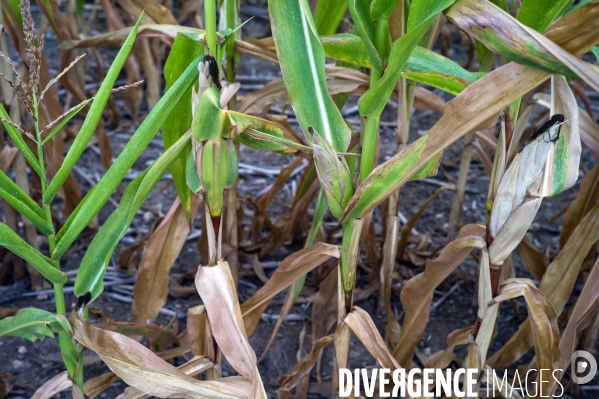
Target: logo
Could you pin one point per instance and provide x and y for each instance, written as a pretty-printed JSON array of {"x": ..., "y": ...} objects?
[{"x": 583, "y": 367}]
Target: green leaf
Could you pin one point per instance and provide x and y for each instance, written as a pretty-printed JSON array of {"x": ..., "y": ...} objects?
[
  {"x": 364, "y": 25},
  {"x": 382, "y": 9},
  {"x": 97, "y": 197},
  {"x": 328, "y": 15},
  {"x": 422, "y": 11},
  {"x": 193, "y": 181},
  {"x": 302, "y": 64},
  {"x": 346, "y": 47},
  {"x": 426, "y": 66},
  {"x": 375, "y": 99},
  {"x": 183, "y": 52},
  {"x": 93, "y": 266},
  {"x": 16, "y": 197},
  {"x": 15, "y": 244},
  {"x": 262, "y": 134},
  {"x": 595, "y": 51},
  {"x": 539, "y": 14},
  {"x": 210, "y": 122},
  {"x": 430, "y": 169},
  {"x": 33, "y": 324},
  {"x": 20, "y": 143},
  {"x": 382, "y": 179},
  {"x": 92, "y": 119}
]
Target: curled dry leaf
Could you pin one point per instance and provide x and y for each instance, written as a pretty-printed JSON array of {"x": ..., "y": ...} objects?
[
  {"x": 557, "y": 284},
  {"x": 192, "y": 368},
  {"x": 56, "y": 384},
  {"x": 582, "y": 204},
  {"x": 289, "y": 381},
  {"x": 140, "y": 368},
  {"x": 362, "y": 325},
  {"x": 217, "y": 289},
  {"x": 443, "y": 358},
  {"x": 95, "y": 386},
  {"x": 589, "y": 132},
  {"x": 585, "y": 304},
  {"x": 417, "y": 294},
  {"x": 543, "y": 322},
  {"x": 162, "y": 249},
  {"x": 289, "y": 270}
]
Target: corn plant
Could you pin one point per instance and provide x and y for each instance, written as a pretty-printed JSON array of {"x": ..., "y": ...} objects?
[{"x": 387, "y": 57}]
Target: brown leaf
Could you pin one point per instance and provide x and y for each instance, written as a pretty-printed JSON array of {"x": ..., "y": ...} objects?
[
  {"x": 473, "y": 109},
  {"x": 142, "y": 369},
  {"x": 289, "y": 270},
  {"x": 53, "y": 386},
  {"x": 217, "y": 290},
  {"x": 7, "y": 155},
  {"x": 543, "y": 322},
  {"x": 5, "y": 387},
  {"x": 557, "y": 284},
  {"x": 289, "y": 381},
  {"x": 417, "y": 294},
  {"x": 162, "y": 249},
  {"x": 362, "y": 325},
  {"x": 585, "y": 304},
  {"x": 95, "y": 386},
  {"x": 534, "y": 260},
  {"x": 443, "y": 358},
  {"x": 582, "y": 204},
  {"x": 589, "y": 132}
]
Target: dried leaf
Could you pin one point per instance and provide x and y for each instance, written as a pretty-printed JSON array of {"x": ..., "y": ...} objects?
[
  {"x": 53, "y": 386},
  {"x": 162, "y": 249},
  {"x": 289, "y": 270},
  {"x": 142, "y": 369},
  {"x": 217, "y": 290},
  {"x": 417, "y": 294}
]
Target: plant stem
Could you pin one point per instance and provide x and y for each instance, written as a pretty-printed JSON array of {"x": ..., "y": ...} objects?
[
  {"x": 72, "y": 358},
  {"x": 350, "y": 248},
  {"x": 231, "y": 7},
  {"x": 371, "y": 130},
  {"x": 210, "y": 24}
]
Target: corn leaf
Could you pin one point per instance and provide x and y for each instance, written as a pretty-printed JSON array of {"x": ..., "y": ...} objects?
[
  {"x": 92, "y": 119},
  {"x": 142, "y": 369},
  {"x": 15, "y": 244},
  {"x": 302, "y": 64},
  {"x": 557, "y": 284},
  {"x": 162, "y": 249},
  {"x": 423, "y": 66},
  {"x": 16, "y": 197},
  {"x": 543, "y": 322},
  {"x": 262, "y": 134},
  {"x": 328, "y": 15},
  {"x": 183, "y": 52},
  {"x": 97, "y": 197},
  {"x": 468, "y": 112},
  {"x": 539, "y": 14},
  {"x": 417, "y": 295},
  {"x": 217, "y": 289},
  {"x": 32, "y": 324},
  {"x": 364, "y": 25},
  {"x": 374, "y": 100},
  {"x": 96, "y": 258},
  {"x": 382, "y": 9},
  {"x": 482, "y": 21}
]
